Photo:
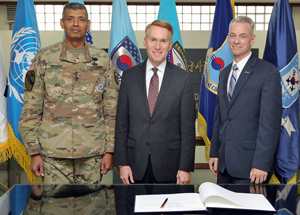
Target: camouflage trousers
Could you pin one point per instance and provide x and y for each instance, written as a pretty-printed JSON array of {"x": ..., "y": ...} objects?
[{"x": 72, "y": 171}]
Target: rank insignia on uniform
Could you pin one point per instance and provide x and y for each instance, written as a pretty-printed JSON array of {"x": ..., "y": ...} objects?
[
  {"x": 116, "y": 78},
  {"x": 101, "y": 86},
  {"x": 29, "y": 79}
]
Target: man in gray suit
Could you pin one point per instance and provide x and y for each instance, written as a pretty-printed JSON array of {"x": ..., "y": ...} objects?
[
  {"x": 155, "y": 127},
  {"x": 247, "y": 113}
]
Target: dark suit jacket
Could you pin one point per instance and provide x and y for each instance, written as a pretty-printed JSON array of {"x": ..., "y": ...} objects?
[
  {"x": 246, "y": 131},
  {"x": 169, "y": 135}
]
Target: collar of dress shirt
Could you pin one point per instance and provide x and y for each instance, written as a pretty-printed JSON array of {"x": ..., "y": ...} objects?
[
  {"x": 242, "y": 63},
  {"x": 161, "y": 67}
]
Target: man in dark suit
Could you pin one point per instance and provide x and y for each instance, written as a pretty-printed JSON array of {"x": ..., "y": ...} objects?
[
  {"x": 155, "y": 127},
  {"x": 247, "y": 113}
]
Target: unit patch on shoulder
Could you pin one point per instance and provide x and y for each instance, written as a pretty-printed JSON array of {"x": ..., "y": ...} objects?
[
  {"x": 116, "y": 78},
  {"x": 30, "y": 78}
]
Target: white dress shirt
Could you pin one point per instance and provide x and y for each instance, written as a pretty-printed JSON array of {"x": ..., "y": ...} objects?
[
  {"x": 240, "y": 66},
  {"x": 149, "y": 74}
]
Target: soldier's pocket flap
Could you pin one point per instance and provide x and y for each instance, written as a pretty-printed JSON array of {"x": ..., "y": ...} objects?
[{"x": 47, "y": 168}]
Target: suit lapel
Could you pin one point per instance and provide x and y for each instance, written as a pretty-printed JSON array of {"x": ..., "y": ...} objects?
[
  {"x": 165, "y": 84},
  {"x": 245, "y": 74},
  {"x": 142, "y": 83}
]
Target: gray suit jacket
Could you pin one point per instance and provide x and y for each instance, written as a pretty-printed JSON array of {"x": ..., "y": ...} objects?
[
  {"x": 246, "y": 130},
  {"x": 169, "y": 135}
]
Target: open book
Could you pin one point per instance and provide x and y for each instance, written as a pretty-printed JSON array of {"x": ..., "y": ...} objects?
[{"x": 210, "y": 196}]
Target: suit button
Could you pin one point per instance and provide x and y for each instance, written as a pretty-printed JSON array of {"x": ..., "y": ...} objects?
[
  {"x": 151, "y": 123},
  {"x": 228, "y": 120},
  {"x": 147, "y": 144}
]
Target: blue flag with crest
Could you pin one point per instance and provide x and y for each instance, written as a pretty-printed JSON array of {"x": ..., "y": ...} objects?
[
  {"x": 24, "y": 45},
  {"x": 88, "y": 33},
  {"x": 167, "y": 11},
  {"x": 123, "y": 47},
  {"x": 217, "y": 58},
  {"x": 281, "y": 50}
]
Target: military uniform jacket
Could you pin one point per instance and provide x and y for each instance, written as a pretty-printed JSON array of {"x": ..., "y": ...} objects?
[{"x": 70, "y": 110}]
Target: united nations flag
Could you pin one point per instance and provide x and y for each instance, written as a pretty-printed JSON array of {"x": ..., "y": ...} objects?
[{"x": 25, "y": 44}]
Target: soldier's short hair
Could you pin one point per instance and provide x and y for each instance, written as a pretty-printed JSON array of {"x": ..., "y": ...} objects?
[
  {"x": 74, "y": 6},
  {"x": 160, "y": 23},
  {"x": 242, "y": 19}
]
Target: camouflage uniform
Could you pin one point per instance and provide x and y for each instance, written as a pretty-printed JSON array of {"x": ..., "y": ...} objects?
[
  {"x": 89, "y": 201},
  {"x": 69, "y": 112}
]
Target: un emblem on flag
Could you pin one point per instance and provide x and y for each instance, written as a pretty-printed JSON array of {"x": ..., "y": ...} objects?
[
  {"x": 125, "y": 55},
  {"x": 25, "y": 44}
]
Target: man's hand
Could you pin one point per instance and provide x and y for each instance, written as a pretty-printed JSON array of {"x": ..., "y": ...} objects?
[
  {"x": 125, "y": 174},
  {"x": 213, "y": 165},
  {"x": 258, "y": 176},
  {"x": 37, "y": 165},
  {"x": 183, "y": 177},
  {"x": 107, "y": 163}
]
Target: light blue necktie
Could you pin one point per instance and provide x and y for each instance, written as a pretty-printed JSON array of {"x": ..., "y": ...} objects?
[{"x": 232, "y": 82}]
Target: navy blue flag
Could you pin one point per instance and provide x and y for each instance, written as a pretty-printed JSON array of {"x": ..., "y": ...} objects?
[
  {"x": 24, "y": 45},
  {"x": 217, "y": 58},
  {"x": 281, "y": 50},
  {"x": 123, "y": 48},
  {"x": 286, "y": 199}
]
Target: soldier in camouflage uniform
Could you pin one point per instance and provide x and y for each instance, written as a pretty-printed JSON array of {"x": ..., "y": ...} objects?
[{"x": 68, "y": 118}]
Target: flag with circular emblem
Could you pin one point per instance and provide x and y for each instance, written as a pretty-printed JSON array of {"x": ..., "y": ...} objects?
[{"x": 123, "y": 47}]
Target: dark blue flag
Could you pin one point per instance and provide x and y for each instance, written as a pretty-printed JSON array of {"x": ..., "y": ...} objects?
[
  {"x": 217, "y": 58},
  {"x": 281, "y": 50}
]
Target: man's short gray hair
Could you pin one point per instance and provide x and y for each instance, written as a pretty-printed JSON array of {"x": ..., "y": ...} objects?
[
  {"x": 243, "y": 19},
  {"x": 74, "y": 6}
]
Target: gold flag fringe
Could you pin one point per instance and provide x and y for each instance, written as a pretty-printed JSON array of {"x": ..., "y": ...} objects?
[
  {"x": 202, "y": 130},
  {"x": 5, "y": 151},
  {"x": 274, "y": 180},
  {"x": 20, "y": 155},
  {"x": 232, "y": 7}
]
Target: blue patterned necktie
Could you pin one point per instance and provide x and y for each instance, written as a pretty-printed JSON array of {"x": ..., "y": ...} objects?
[
  {"x": 153, "y": 90},
  {"x": 232, "y": 82}
]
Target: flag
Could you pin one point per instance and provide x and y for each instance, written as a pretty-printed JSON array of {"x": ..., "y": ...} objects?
[
  {"x": 217, "y": 58},
  {"x": 286, "y": 199},
  {"x": 19, "y": 195},
  {"x": 88, "y": 33},
  {"x": 25, "y": 44},
  {"x": 167, "y": 11},
  {"x": 123, "y": 47},
  {"x": 281, "y": 50},
  {"x": 5, "y": 151}
]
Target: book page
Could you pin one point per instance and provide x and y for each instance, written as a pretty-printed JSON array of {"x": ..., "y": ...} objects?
[
  {"x": 215, "y": 196},
  {"x": 176, "y": 202}
]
